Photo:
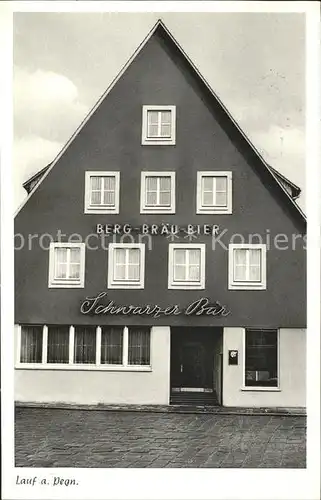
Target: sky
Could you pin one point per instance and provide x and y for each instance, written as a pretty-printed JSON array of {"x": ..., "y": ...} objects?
[{"x": 63, "y": 62}]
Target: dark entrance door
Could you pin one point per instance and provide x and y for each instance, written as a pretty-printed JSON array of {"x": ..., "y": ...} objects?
[
  {"x": 194, "y": 372},
  {"x": 192, "y": 358}
]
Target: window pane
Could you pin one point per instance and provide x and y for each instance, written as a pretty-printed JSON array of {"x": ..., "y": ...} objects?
[
  {"x": 95, "y": 198},
  {"x": 133, "y": 272},
  {"x": 133, "y": 255},
  {"x": 120, "y": 272},
  {"x": 208, "y": 183},
  {"x": 85, "y": 344},
  {"x": 255, "y": 273},
  {"x": 165, "y": 198},
  {"x": 151, "y": 183},
  {"x": 74, "y": 272},
  {"x": 95, "y": 183},
  {"x": 255, "y": 256},
  {"x": 120, "y": 255},
  {"x": 31, "y": 344},
  {"x": 60, "y": 263},
  {"x": 194, "y": 273},
  {"x": 179, "y": 272},
  {"x": 75, "y": 255},
  {"x": 109, "y": 190},
  {"x": 109, "y": 198},
  {"x": 165, "y": 191},
  {"x": 166, "y": 130},
  {"x": 179, "y": 256},
  {"x": 261, "y": 358},
  {"x": 194, "y": 256},
  {"x": 165, "y": 183},
  {"x": 221, "y": 184},
  {"x": 112, "y": 345},
  {"x": 58, "y": 344},
  {"x": 61, "y": 271},
  {"x": 240, "y": 264},
  {"x": 151, "y": 198},
  {"x": 221, "y": 199},
  {"x": 152, "y": 117},
  {"x": 166, "y": 117},
  {"x": 207, "y": 198},
  {"x": 138, "y": 346}
]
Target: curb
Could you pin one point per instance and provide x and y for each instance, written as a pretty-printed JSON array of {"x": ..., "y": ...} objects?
[{"x": 212, "y": 410}]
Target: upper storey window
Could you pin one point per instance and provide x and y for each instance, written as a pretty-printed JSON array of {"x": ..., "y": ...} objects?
[
  {"x": 66, "y": 265},
  {"x": 157, "y": 192},
  {"x": 214, "y": 192},
  {"x": 102, "y": 193},
  {"x": 247, "y": 267},
  {"x": 159, "y": 125}
]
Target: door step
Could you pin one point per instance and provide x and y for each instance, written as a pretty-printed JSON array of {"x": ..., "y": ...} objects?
[{"x": 194, "y": 398}]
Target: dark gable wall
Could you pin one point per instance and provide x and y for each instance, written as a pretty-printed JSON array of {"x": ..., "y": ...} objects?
[{"x": 111, "y": 140}]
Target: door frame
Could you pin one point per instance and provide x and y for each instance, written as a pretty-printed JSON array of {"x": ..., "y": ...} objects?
[{"x": 217, "y": 333}]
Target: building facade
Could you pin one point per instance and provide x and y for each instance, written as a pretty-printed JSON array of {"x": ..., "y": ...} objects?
[{"x": 159, "y": 259}]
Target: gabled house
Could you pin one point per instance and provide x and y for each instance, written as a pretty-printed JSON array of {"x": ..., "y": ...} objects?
[{"x": 162, "y": 260}]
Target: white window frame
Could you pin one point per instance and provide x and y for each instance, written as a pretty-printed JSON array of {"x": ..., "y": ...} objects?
[
  {"x": 71, "y": 365},
  {"x": 185, "y": 285},
  {"x": 246, "y": 285},
  {"x": 65, "y": 283},
  {"x": 202, "y": 209},
  {"x": 261, "y": 388},
  {"x": 159, "y": 209},
  {"x": 159, "y": 141},
  {"x": 111, "y": 283},
  {"x": 94, "y": 209}
]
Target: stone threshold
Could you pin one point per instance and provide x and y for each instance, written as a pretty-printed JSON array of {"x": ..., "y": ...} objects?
[{"x": 215, "y": 410}]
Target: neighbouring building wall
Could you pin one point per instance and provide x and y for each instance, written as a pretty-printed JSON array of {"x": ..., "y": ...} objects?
[
  {"x": 292, "y": 372},
  {"x": 101, "y": 386}
]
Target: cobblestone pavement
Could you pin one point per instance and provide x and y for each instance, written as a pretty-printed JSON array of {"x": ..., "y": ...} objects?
[{"x": 77, "y": 438}]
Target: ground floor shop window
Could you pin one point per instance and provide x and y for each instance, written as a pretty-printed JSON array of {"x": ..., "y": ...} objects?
[
  {"x": 138, "y": 346},
  {"x": 104, "y": 346},
  {"x": 31, "y": 344},
  {"x": 261, "y": 358},
  {"x": 112, "y": 345},
  {"x": 85, "y": 344},
  {"x": 58, "y": 344}
]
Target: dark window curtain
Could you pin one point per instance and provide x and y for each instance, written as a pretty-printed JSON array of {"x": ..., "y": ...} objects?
[
  {"x": 85, "y": 344},
  {"x": 58, "y": 344},
  {"x": 112, "y": 345},
  {"x": 31, "y": 344},
  {"x": 138, "y": 346},
  {"x": 261, "y": 358}
]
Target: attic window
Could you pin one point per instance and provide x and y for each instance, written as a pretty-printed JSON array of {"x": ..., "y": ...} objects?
[{"x": 158, "y": 125}]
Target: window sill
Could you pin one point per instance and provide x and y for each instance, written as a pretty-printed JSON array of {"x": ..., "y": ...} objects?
[
  {"x": 260, "y": 389},
  {"x": 84, "y": 367},
  {"x": 159, "y": 142},
  {"x": 125, "y": 286},
  {"x": 103, "y": 210},
  {"x": 66, "y": 285},
  {"x": 187, "y": 286},
  {"x": 246, "y": 287},
  {"x": 157, "y": 210},
  {"x": 214, "y": 211}
]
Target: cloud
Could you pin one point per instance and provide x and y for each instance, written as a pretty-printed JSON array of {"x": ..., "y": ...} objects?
[{"x": 46, "y": 104}]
